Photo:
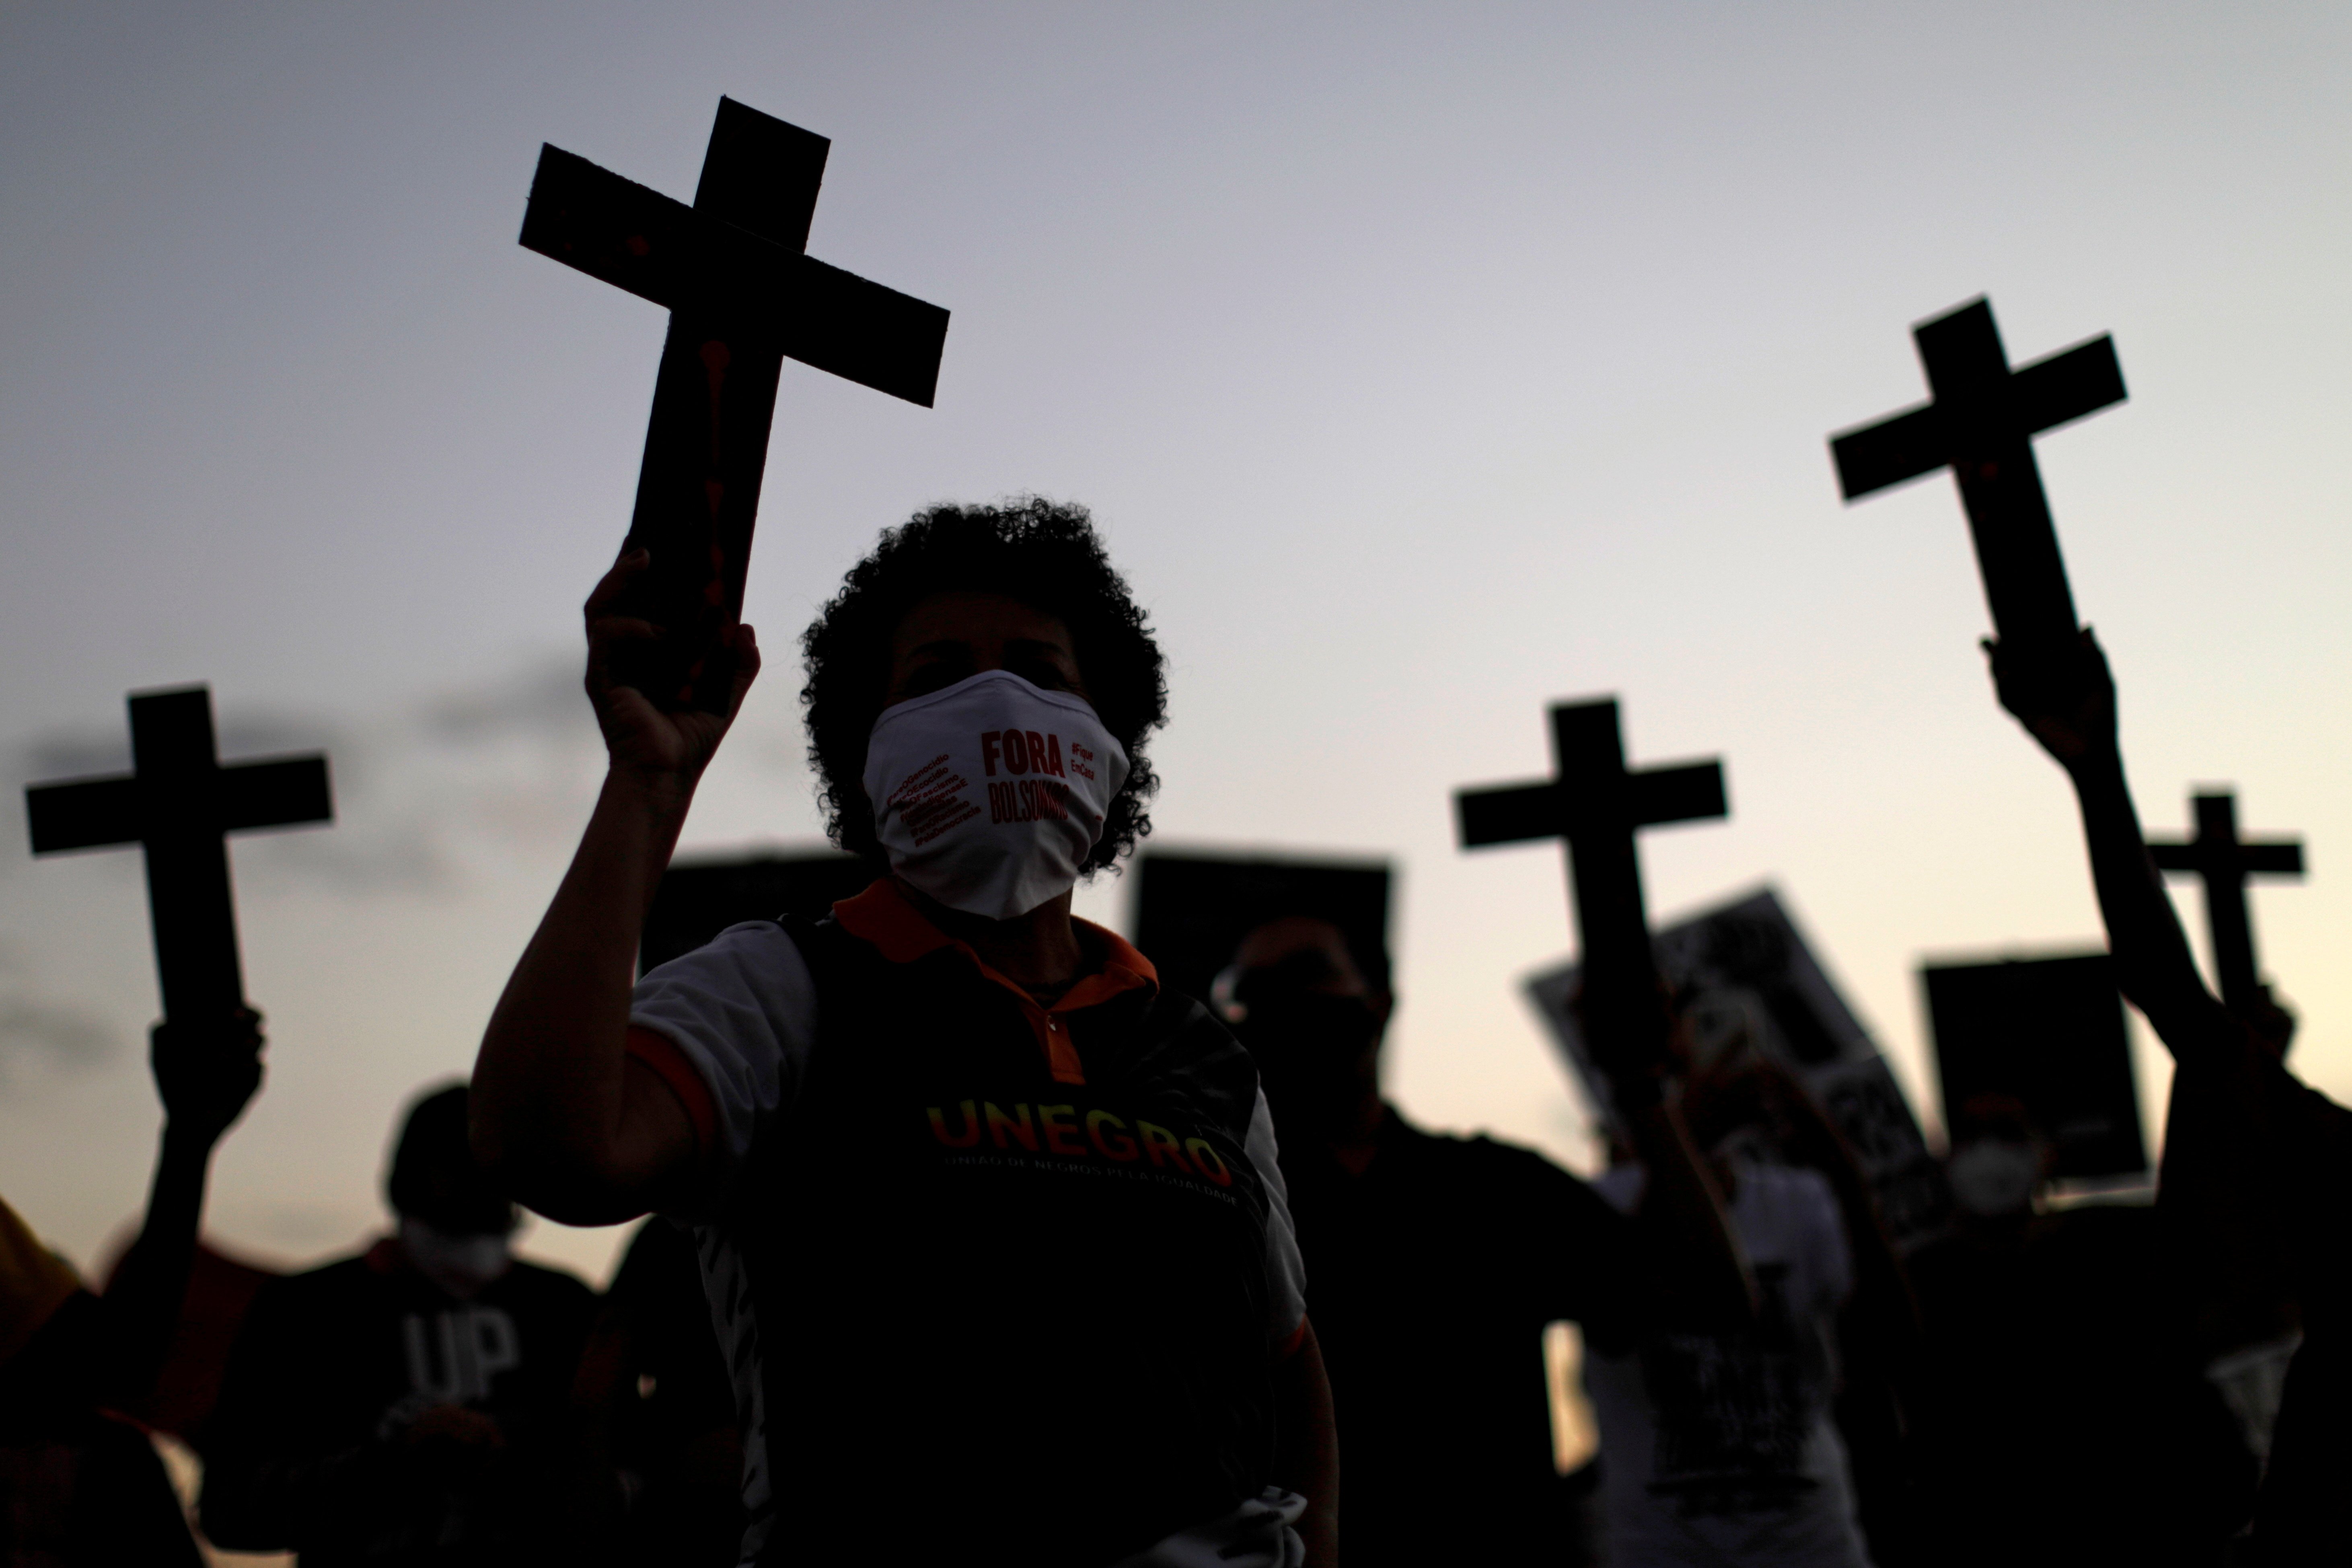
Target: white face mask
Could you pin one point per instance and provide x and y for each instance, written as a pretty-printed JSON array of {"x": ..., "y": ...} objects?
[
  {"x": 990, "y": 794},
  {"x": 461, "y": 1265},
  {"x": 1992, "y": 1176}
]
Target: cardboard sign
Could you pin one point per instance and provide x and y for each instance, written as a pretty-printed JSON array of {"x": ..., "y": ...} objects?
[{"x": 1746, "y": 979}]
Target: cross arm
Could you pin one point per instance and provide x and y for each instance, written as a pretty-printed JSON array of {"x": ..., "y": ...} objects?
[
  {"x": 1512, "y": 814},
  {"x": 2267, "y": 858},
  {"x": 2274, "y": 860},
  {"x": 637, "y": 240},
  {"x": 860, "y": 330},
  {"x": 1874, "y": 456},
  {"x": 2067, "y": 385},
  {"x": 280, "y": 793},
  {"x": 83, "y": 813},
  {"x": 1692, "y": 793}
]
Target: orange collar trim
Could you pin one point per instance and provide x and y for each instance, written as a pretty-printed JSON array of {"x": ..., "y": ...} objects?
[{"x": 882, "y": 917}]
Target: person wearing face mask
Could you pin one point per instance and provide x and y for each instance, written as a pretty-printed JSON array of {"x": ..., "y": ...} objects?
[
  {"x": 2060, "y": 1414},
  {"x": 408, "y": 1405},
  {"x": 1437, "y": 1262},
  {"x": 2294, "y": 1142},
  {"x": 993, "y": 1226},
  {"x": 1721, "y": 1445}
]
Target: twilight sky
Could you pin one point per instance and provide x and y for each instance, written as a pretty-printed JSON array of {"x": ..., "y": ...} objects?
[{"x": 1423, "y": 364}]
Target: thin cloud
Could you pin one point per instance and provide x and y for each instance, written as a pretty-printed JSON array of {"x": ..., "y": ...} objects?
[{"x": 37, "y": 1036}]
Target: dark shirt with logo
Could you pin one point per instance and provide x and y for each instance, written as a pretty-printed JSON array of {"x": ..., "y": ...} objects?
[
  {"x": 306, "y": 1452},
  {"x": 998, "y": 1279}
]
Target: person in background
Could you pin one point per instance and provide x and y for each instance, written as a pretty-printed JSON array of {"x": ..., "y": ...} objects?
[
  {"x": 1435, "y": 1265},
  {"x": 2296, "y": 1142},
  {"x": 657, "y": 1411},
  {"x": 1720, "y": 1446},
  {"x": 409, "y": 1405},
  {"x": 2230, "y": 1246},
  {"x": 2060, "y": 1415},
  {"x": 79, "y": 1482},
  {"x": 1746, "y": 1107}
]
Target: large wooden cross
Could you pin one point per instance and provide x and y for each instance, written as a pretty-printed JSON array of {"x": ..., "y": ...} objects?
[
  {"x": 179, "y": 802},
  {"x": 1598, "y": 806},
  {"x": 2223, "y": 861},
  {"x": 1981, "y": 425},
  {"x": 744, "y": 298}
]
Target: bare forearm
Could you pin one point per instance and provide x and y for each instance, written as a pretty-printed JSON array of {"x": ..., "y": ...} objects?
[
  {"x": 142, "y": 1300},
  {"x": 548, "y": 1100},
  {"x": 2151, "y": 953},
  {"x": 1310, "y": 1447}
]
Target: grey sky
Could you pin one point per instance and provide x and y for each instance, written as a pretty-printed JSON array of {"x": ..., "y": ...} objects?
[{"x": 1423, "y": 364}]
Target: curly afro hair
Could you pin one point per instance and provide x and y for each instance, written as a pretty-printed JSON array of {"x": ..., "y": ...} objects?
[{"x": 1043, "y": 554}]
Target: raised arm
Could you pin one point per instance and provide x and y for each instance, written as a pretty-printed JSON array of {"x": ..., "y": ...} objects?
[
  {"x": 2065, "y": 698},
  {"x": 205, "y": 1075},
  {"x": 577, "y": 1130},
  {"x": 1699, "y": 1266}
]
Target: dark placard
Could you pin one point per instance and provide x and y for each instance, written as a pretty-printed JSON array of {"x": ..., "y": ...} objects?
[
  {"x": 2048, "y": 1033},
  {"x": 1192, "y": 911},
  {"x": 700, "y": 899},
  {"x": 1747, "y": 978}
]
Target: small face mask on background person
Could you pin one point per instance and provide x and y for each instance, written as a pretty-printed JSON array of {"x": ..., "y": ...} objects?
[
  {"x": 461, "y": 1265},
  {"x": 1993, "y": 1176},
  {"x": 989, "y": 795}
]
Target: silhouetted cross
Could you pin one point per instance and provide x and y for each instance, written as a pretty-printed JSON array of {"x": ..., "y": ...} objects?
[
  {"x": 742, "y": 298},
  {"x": 2224, "y": 861},
  {"x": 1598, "y": 806},
  {"x": 1981, "y": 426},
  {"x": 179, "y": 802}
]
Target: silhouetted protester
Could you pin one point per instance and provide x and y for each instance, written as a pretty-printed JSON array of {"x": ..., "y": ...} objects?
[
  {"x": 2230, "y": 1249},
  {"x": 1721, "y": 1447},
  {"x": 659, "y": 1408},
  {"x": 1435, "y": 1265},
  {"x": 2060, "y": 1417},
  {"x": 411, "y": 1404},
  {"x": 2065, "y": 698},
  {"x": 79, "y": 1482},
  {"x": 1745, "y": 1107},
  {"x": 995, "y": 1224}
]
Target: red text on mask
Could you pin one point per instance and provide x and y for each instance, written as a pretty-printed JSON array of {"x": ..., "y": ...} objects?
[{"x": 1021, "y": 752}]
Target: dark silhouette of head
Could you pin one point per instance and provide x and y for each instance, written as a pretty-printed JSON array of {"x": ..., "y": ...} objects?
[
  {"x": 1301, "y": 999},
  {"x": 434, "y": 1176},
  {"x": 1044, "y": 555}
]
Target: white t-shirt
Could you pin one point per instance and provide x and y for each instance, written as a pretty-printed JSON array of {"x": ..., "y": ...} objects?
[
  {"x": 1719, "y": 1450},
  {"x": 742, "y": 1012}
]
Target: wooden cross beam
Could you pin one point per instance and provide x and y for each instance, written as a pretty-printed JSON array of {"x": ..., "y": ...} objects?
[
  {"x": 744, "y": 298},
  {"x": 1594, "y": 802},
  {"x": 1981, "y": 426},
  {"x": 2225, "y": 862},
  {"x": 179, "y": 802}
]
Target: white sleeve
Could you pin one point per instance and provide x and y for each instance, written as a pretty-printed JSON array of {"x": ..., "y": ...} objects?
[
  {"x": 1285, "y": 1271},
  {"x": 743, "y": 1011}
]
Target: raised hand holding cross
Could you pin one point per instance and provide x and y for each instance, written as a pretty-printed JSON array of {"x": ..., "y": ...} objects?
[{"x": 744, "y": 297}]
